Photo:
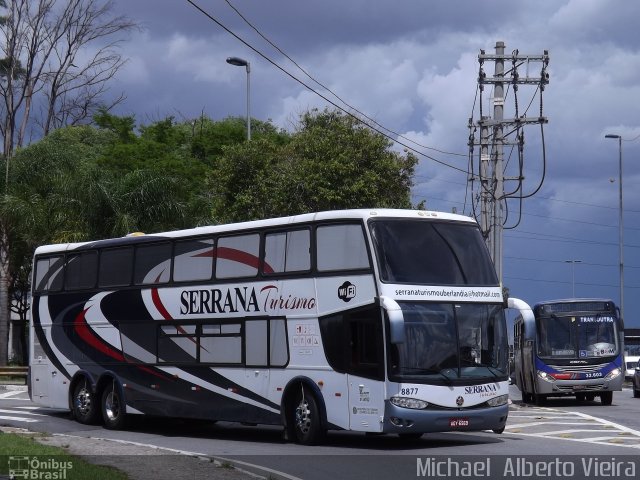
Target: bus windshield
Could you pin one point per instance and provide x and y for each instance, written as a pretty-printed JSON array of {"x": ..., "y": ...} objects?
[
  {"x": 431, "y": 253},
  {"x": 446, "y": 342},
  {"x": 577, "y": 336}
]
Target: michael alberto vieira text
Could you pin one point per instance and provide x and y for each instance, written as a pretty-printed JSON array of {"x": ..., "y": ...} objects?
[{"x": 520, "y": 467}]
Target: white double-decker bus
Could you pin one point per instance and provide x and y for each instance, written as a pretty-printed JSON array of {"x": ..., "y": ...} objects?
[{"x": 387, "y": 321}]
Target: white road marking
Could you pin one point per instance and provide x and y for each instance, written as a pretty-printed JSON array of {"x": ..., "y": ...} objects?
[
  {"x": 18, "y": 419},
  {"x": 594, "y": 430},
  {"x": 11, "y": 393},
  {"x": 22, "y": 412}
]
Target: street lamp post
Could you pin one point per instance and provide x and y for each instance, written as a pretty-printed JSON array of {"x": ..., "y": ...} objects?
[
  {"x": 573, "y": 275},
  {"x": 620, "y": 221},
  {"x": 240, "y": 62}
]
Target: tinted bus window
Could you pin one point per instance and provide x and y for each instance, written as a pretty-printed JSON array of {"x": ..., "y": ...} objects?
[
  {"x": 341, "y": 247},
  {"x": 49, "y": 274},
  {"x": 193, "y": 260},
  {"x": 152, "y": 263},
  {"x": 81, "y": 270},
  {"x": 432, "y": 253},
  {"x": 237, "y": 256},
  {"x": 116, "y": 267},
  {"x": 287, "y": 252}
]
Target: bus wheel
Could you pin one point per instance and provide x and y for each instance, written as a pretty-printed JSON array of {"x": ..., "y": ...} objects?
[
  {"x": 85, "y": 406},
  {"x": 581, "y": 397},
  {"x": 306, "y": 419},
  {"x": 606, "y": 398},
  {"x": 113, "y": 409},
  {"x": 590, "y": 397}
]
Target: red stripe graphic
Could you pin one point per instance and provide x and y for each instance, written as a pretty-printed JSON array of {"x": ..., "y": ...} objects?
[
  {"x": 85, "y": 333},
  {"x": 236, "y": 255},
  {"x": 155, "y": 296}
]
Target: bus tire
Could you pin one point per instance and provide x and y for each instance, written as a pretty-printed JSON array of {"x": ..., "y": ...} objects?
[
  {"x": 85, "y": 405},
  {"x": 581, "y": 397},
  {"x": 113, "y": 408},
  {"x": 305, "y": 417},
  {"x": 636, "y": 393},
  {"x": 606, "y": 398}
]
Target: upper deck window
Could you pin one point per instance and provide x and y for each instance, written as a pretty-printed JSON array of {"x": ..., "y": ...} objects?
[
  {"x": 341, "y": 247},
  {"x": 237, "y": 256},
  {"x": 48, "y": 276},
  {"x": 287, "y": 252},
  {"x": 432, "y": 253},
  {"x": 81, "y": 271}
]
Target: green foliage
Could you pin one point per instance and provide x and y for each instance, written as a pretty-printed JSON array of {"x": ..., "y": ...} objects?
[
  {"x": 89, "y": 182},
  {"x": 332, "y": 161}
]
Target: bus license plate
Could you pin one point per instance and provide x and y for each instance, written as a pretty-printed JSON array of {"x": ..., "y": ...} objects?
[{"x": 458, "y": 422}]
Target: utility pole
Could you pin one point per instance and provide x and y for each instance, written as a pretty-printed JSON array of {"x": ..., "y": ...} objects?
[{"x": 491, "y": 170}]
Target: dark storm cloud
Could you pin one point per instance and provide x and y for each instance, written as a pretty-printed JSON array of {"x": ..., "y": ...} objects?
[{"x": 412, "y": 66}]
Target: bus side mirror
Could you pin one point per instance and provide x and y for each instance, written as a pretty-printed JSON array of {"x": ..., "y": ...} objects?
[
  {"x": 522, "y": 306},
  {"x": 396, "y": 319}
]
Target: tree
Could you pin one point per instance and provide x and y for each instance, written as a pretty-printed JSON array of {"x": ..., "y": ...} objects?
[
  {"x": 59, "y": 193},
  {"x": 331, "y": 161},
  {"x": 41, "y": 66}
]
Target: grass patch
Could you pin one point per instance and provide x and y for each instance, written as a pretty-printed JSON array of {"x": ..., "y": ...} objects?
[{"x": 50, "y": 462}]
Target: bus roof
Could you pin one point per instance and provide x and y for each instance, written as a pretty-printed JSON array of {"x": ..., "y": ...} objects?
[
  {"x": 363, "y": 213},
  {"x": 573, "y": 300}
]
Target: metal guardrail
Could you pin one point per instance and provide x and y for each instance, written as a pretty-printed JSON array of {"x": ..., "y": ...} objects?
[{"x": 13, "y": 371}]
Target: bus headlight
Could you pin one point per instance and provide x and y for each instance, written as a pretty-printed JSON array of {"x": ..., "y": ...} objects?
[
  {"x": 545, "y": 376},
  {"x": 409, "y": 402},
  {"x": 497, "y": 401},
  {"x": 613, "y": 374}
]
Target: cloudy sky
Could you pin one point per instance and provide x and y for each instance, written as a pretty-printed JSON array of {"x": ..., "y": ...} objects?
[{"x": 412, "y": 66}]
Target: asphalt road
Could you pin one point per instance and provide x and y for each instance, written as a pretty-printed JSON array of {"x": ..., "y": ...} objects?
[{"x": 160, "y": 448}]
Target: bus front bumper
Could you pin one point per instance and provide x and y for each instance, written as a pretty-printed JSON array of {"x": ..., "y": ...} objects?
[
  {"x": 572, "y": 387},
  {"x": 406, "y": 420}
]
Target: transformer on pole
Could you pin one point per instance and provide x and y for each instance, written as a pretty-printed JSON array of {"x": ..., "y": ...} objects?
[{"x": 496, "y": 132}]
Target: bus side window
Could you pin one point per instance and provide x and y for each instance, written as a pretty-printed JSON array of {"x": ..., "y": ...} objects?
[
  {"x": 193, "y": 260},
  {"x": 287, "y": 252},
  {"x": 237, "y": 256},
  {"x": 81, "y": 271},
  {"x": 48, "y": 276},
  {"x": 152, "y": 263},
  {"x": 341, "y": 247},
  {"x": 116, "y": 267}
]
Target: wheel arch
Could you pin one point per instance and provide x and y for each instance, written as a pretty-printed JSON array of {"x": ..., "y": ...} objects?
[
  {"x": 79, "y": 376},
  {"x": 289, "y": 395},
  {"x": 107, "y": 378}
]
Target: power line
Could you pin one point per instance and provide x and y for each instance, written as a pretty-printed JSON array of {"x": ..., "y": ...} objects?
[
  {"x": 558, "y": 238},
  {"x": 590, "y": 264},
  {"x": 331, "y": 91},
  {"x": 283, "y": 70},
  {"x": 546, "y": 280}
]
